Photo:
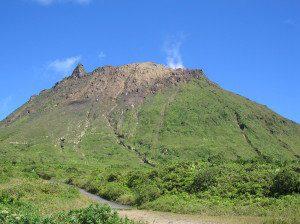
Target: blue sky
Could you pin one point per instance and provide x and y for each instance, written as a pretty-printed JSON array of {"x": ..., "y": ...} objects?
[{"x": 251, "y": 47}]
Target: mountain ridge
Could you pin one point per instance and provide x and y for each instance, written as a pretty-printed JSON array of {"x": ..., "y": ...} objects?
[
  {"x": 157, "y": 114},
  {"x": 147, "y": 72},
  {"x": 79, "y": 72}
]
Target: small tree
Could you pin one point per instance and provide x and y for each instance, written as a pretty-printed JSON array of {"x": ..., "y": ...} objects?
[
  {"x": 286, "y": 182},
  {"x": 203, "y": 180}
]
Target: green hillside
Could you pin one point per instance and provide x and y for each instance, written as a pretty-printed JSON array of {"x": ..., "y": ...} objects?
[
  {"x": 190, "y": 119},
  {"x": 157, "y": 138},
  {"x": 198, "y": 120}
]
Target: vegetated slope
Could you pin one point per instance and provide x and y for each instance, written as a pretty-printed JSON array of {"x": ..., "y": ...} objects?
[{"x": 144, "y": 113}]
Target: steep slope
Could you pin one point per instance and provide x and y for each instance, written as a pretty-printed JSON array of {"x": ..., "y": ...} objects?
[{"x": 145, "y": 114}]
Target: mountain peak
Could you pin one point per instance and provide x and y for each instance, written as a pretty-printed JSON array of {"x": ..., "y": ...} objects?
[
  {"x": 147, "y": 65},
  {"x": 149, "y": 105},
  {"x": 79, "y": 71}
]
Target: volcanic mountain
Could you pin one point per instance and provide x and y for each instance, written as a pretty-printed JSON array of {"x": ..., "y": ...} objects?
[{"x": 144, "y": 113}]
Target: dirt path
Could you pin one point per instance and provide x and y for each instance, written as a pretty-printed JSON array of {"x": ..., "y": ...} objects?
[
  {"x": 154, "y": 217},
  {"x": 100, "y": 200},
  {"x": 146, "y": 216}
]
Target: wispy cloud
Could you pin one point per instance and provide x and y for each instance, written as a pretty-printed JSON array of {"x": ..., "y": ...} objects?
[
  {"x": 101, "y": 55},
  {"x": 49, "y": 2},
  {"x": 172, "y": 49},
  {"x": 290, "y": 22},
  {"x": 63, "y": 66}
]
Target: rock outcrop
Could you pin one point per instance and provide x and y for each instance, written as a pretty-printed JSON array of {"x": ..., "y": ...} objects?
[{"x": 79, "y": 71}]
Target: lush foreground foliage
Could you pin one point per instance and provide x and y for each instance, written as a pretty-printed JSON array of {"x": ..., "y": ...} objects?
[
  {"x": 252, "y": 188},
  {"x": 231, "y": 188},
  {"x": 34, "y": 201},
  {"x": 190, "y": 148},
  {"x": 94, "y": 214},
  {"x": 37, "y": 201}
]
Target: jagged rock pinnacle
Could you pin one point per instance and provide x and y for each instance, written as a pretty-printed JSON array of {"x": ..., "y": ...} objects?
[{"x": 79, "y": 71}]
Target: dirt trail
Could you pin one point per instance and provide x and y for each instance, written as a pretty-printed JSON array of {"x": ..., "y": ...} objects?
[
  {"x": 100, "y": 200},
  {"x": 154, "y": 217},
  {"x": 146, "y": 216}
]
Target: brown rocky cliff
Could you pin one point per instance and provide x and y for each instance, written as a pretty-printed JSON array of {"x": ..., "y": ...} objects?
[
  {"x": 79, "y": 71},
  {"x": 106, "y": 86}
]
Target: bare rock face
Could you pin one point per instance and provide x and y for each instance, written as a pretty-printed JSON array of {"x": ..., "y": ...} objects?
[
  {"x": 107, "y": 86},
  {"x": 79, "y": 71},
  {"x": 128, "y": 83},
  {"x": 146, "y": 108}
]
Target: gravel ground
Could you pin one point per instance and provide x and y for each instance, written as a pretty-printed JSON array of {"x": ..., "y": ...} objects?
[{"x": 154, "y": 217}]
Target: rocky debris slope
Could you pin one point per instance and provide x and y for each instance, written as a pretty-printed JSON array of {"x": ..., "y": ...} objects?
[
  {"x": 152, "y": 112},
  {"x": 129, "y": 83}
]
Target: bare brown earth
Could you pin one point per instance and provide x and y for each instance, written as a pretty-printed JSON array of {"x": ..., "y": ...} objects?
[
  {"x": 153, "y": 217},
  {"x": 106, "y": 87}
]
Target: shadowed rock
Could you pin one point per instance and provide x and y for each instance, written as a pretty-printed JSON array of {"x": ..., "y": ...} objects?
[{"x": 79, "y": 71}]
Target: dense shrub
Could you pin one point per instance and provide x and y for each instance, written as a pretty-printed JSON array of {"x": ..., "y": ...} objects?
[
  {"x": 112, "y": 190},
  {"x": 245, "y": 187},
  {"x": 147, "y": 192},
  {"x": 286, "y": 182},
  {"x": 247, "y": 180},
  {"x": 127, "y": 199},
  {"x": 135, "y": 179},
  {"x": 94, "y": 214},
  {"x": 226, "y": 180},
  {"x": 203, "y": 180},
  {"x": 112, "y": 177}
]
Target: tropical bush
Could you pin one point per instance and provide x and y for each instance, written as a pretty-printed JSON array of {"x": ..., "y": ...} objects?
[
  {"x": 94, "y": 214},
  {"x": 236, "y": 188},
  {"x": 286, "y": 182},
  {"x": 253, "y": 187}
]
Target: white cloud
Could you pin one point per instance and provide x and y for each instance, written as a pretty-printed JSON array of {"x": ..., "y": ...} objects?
[
  {"x": 49, "y": 2},
  {"x": 64, "y": 66},
  {"x": 172, "y": 50},
  {"x": 101, "y": 55}
]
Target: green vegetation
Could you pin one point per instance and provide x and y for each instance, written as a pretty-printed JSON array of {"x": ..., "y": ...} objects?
[
  {"x": 94, "y": 214},
  {"x": 231, "y": 188},
  {"x": 189, "y": 148},
  {"x": 252, "y": 188},
  {"x": 35, "y": 201},
  {"x": 42, "y": 196},
  {"x": 199, "y": 120}
]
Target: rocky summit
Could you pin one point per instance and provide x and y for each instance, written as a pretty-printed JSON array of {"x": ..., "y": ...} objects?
[{"x": 148, "y": 113}]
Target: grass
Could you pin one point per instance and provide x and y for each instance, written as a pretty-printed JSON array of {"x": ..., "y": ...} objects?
[
  {"x": 202, "y": 121},
  {"x": 255, "y": 188},
  {"x": 43, "y": 196},
  {"x": 94, "y": 214},
  {"x": 215, "y": 153}
]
